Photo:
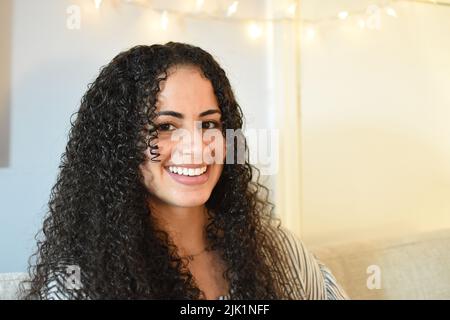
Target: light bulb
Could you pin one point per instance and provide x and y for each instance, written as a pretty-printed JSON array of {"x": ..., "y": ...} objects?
[
  {"x": 164, "y": 20},
  {"x": 361, "y": 23},
  {"x": 232, "y": 8},
  {"x": 343, "y": 15},
  {"x": 199, "y": 4},
  {"x": 310, "y": 33},
  {"x": 97, "y": 3},
  {"x": 390, "y": 11},
  {"x": 254, "y": 30},
  {"x": 291, "y": 9}
]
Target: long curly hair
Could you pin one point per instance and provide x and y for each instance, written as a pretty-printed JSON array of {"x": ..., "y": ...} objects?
[{"x": 98, "y": 215}]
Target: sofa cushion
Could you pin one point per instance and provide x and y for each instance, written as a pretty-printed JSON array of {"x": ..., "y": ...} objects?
[
  {"x": 413, "y": 267},
  {"x": 9, "y": 285}
]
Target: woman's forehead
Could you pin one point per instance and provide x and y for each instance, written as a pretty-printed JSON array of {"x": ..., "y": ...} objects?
[{"x": 186, "y": 90}]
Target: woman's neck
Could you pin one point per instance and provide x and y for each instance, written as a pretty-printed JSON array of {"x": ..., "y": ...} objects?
[{"x": 185, "y": 226}]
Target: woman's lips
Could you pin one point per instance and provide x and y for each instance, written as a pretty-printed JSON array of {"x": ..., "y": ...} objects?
[{"x": 189, "y": 180}]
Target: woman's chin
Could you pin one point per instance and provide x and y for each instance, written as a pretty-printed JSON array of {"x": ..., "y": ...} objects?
[{"x": 189, "y": 200}]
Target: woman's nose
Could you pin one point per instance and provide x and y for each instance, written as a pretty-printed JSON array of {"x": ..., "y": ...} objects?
[{"x": 190, "y": 145}]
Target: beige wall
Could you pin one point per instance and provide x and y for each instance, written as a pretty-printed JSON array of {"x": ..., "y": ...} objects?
[{"x": 376, "y": 126}]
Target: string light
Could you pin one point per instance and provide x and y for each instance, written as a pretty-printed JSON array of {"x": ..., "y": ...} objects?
[
  {"x": 365, "y": 19},
  {"x": 289, "y": 12},
  {"x": 164, "y": 20},
  {"x": 232, "y": 8}
]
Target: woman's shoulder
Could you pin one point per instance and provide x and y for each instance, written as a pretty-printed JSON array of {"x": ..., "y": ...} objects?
[
  {"x": 63, "y": 284},
  {"x": 317, "y": 280}
]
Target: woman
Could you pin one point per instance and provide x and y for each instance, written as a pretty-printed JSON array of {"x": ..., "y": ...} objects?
[{"x": 141, "y": 219}]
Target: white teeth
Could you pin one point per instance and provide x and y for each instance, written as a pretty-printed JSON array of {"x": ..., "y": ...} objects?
[{"x": 188, "y": 171}]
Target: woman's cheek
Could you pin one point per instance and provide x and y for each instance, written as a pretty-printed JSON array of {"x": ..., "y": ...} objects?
[
  {"x": 149, "y": 170},
  {"x": 215, "y": 150}
]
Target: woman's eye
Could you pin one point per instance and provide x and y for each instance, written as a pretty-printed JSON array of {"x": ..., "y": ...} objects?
[
  {"x": 166, "y": 127},
  {"x": 210, "y": 125}
]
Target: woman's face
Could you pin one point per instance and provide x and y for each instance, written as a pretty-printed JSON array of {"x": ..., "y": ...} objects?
[{"x": 190, "y": 141}]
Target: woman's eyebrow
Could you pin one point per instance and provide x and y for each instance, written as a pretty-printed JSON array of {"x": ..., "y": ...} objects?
[
  {"x": 170, "y": 113},
  {"x": 208, "y": 112},
  {"x": 180, "y": 115}
]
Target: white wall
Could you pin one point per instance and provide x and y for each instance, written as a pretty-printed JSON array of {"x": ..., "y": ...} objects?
[
  {"x": 376, "y": 124},
  {"x": 51, "y": 68}
]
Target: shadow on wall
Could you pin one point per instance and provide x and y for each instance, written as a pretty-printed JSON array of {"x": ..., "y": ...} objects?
[{"x": 5, "y": 76}]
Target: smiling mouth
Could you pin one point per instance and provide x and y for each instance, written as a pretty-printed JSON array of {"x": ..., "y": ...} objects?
[
  {"x": 189, "y": 175},
  {"x": 188, "y": 172}
]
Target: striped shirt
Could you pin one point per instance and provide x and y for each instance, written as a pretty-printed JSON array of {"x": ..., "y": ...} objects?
[{"x": 312, "y": 278}]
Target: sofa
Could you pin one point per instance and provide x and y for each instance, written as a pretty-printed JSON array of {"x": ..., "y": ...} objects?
[
  {"x": 414, "y": 267},
  {"x": 9, "y": 285}
]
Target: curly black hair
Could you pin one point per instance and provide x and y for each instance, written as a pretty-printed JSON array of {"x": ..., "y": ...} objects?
[{"x": 98, "y": 217}]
